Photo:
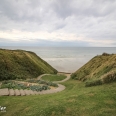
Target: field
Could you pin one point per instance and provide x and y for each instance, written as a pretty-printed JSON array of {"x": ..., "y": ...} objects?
[
  {"x": 53, "y": 77},
  {"x": 75, "y": 100}
]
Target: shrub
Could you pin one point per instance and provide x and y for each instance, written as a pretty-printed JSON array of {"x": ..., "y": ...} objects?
[
  {"x": 36, "y": 88},
  {"x": 105, "y": 54},
  {"x": 52, "y": 84},
  {"x": 17, "y": 85},
  {"x": 109, "y": 77},
  {"x": 42, "y": 82},
  {"x": 73, "y": 75},
  {"x": 44, "y": 87},
  {"x": 93, "y": 83}
]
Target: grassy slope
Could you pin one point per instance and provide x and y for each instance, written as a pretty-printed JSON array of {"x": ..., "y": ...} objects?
[
  {"x": 53, "y": 77},
  {"x": 96, "y": 68},
  {"x": 22, "y": 64},
  {"x": 75, "y": 100}
]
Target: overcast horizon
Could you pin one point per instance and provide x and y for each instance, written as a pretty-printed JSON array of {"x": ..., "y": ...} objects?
[{"x": 66, "y": 23}]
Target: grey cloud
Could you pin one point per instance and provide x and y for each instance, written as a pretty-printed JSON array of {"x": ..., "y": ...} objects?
[
  {"x": 36, "y": 9},
  {"x": 19, "y": 11},
  {"x": 94, "y": 19},
  {"x": 84, "y": 8}
]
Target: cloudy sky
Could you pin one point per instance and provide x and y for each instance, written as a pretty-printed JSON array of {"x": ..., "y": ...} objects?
[{"x": 58, "y": 23}]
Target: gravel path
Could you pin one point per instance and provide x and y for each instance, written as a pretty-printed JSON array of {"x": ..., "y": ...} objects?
[
  {"x": 16, "y": 92},
  {"x": 68, "y": 77},
  {"x": 59, "y": 88}
]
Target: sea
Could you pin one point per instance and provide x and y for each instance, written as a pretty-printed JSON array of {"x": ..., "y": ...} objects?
[{"x": 66, "y": 59}]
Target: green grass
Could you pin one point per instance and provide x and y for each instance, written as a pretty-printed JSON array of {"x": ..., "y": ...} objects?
[
  {"x": 75, "y": 100},
  {"x": 53, "y": 77},
  {"x": 97, "y": 68},
  {"x": 22, "y": 65}
]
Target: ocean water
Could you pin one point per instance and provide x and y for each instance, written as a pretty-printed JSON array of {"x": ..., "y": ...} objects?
[{"x": 67, "y": 59}]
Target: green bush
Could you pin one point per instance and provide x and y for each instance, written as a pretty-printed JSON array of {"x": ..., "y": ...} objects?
[
  {"x": 52, "y": 84},
  {"x": 42, "y": 82},
  {"x": 36, "y": 88},
  {"x": 109, "y": 77},
  {"x": 13, "y": 85},
  {"x": 73, "y": 75},
  {"x": 45, "y": 87},
  {"x": 93, "y": 83},
  {"x": 39, "y": 88},
  {"x": 10, "y": 84},
  {"x": 105, "y": 54}
]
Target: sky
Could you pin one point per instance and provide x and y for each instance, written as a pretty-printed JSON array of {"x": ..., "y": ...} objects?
[{"x": 58, "y": 23}]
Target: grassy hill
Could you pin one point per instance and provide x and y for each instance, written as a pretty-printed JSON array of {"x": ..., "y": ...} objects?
[
  {"x": 100, "y": 69},
  {"x": 22, "y": 64}
]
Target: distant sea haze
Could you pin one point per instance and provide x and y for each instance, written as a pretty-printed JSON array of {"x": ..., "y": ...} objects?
[{"x": 66, "y": 59}]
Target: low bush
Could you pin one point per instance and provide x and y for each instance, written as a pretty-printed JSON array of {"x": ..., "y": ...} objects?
[
  {"x": 52, "y": 84},
  {"x": 93, "y": 83},
  {"x": 13, "y": 85},
  {"x": 36, "y": 88},
  {"x": 109, "y": 77},
  {"x": 42, "y": 82},
  {"x": 105, "y": 54},
  {"x": 39, "y": 88},
  {"x": 73, "y": 75},
  {"x": 45, "y": 87},
  {"x": 17, "y": 85}
]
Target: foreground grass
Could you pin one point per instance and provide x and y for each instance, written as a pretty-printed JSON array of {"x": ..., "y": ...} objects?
[
  {"x": 75, "y": 100},
  {"x": 53, "y": 77}
]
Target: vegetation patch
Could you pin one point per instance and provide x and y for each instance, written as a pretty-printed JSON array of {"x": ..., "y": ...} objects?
[
  {"x": 20, "y": 64},
  {"x": 35, "y": 85},
  {"x": 49, "y": 83},
  {"x": 106, "y": 78},
  {"x": 109, "y": 77},
  {"x": 99, "y": 70},
  {"x": 93, "y": 83}
]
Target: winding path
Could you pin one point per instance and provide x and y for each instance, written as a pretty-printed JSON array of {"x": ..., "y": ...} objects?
[
  {"x": 59, "y": 88},
  {"x": 16, "y": 92},
  {"x": 67, "y": 74}
]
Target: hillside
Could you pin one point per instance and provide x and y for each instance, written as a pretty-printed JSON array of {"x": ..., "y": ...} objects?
[
  {"x": 22, "y": 64},
  {"x": 100, "y": 69}
]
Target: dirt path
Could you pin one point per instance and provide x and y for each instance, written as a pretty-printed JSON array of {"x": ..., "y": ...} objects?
[
  {"x": 68, "y": 77},
  {"x": 11, "y": 92},
  {"x": 59, "y": 88}
]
